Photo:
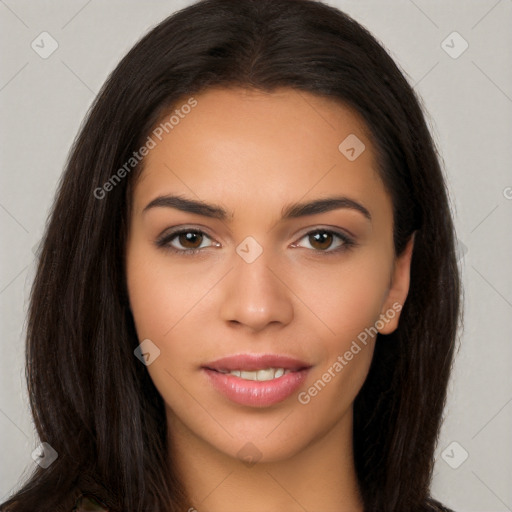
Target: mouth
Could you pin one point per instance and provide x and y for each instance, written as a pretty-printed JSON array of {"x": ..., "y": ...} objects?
[
  {"x": 256, "y": 380},
  {"x": 257, "y": 375}
]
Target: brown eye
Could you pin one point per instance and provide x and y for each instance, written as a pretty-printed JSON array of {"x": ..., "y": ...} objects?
[
  {"x": 190, "y": 239},
  {"x": 321, "y": 240},
  {"x": 184, "y": 241}
]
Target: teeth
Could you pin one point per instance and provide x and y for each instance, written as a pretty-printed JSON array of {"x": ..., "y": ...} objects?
[
  {"x": 259, "y": 375},
  {"x": 279, "y": 373}
]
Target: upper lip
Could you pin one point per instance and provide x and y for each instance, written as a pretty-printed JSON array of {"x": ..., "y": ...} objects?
[{"x": 252, "y": 362}]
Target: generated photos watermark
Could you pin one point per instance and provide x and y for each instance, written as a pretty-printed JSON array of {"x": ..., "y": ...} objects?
[
  {"x": 304, "y": 397},
  {"x": 137, "y": 156}
]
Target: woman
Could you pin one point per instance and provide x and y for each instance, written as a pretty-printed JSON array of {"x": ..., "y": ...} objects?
[{"x": 247, "y": 296}]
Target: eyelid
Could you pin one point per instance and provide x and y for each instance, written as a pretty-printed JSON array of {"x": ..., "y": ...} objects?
[
  {"x": 348, "y": 240},
  {"x": 341, "y": 232},
  {"x": 163, "y": 241}
]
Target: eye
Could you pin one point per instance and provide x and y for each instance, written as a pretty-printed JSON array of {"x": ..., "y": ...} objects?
[
  {"x": 190, "y": 241},
  {"x": 321, "y": 240}
]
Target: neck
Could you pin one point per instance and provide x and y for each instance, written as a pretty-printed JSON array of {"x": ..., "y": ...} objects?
[{"x": 320, "y": 476}]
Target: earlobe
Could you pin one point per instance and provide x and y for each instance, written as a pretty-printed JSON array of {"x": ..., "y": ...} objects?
[{"x": 398, "y": 291}]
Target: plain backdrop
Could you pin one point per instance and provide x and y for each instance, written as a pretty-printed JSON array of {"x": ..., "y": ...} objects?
[{"x": 467, "y": 93}]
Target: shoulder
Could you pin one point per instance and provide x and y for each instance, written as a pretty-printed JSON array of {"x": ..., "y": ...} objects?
[
  {"x": 88, "y": 503},
  {"x": 435, "y": 506}
]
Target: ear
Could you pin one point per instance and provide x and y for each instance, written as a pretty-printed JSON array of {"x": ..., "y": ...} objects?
[{"x": 397, "y": 293}]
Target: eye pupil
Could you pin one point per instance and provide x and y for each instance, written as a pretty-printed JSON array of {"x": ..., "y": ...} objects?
[
  {"x": 321, "y": 237},
  {"x": 188, "y": 237}
]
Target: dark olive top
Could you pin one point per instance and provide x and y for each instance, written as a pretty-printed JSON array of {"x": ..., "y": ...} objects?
[{"x": 87, "y": 503}]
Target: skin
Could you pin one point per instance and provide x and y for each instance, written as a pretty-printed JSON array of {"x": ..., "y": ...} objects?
[{"x": 253, "y": 153}]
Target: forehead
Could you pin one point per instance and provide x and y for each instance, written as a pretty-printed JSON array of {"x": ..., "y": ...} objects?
[{"x": 238, "y": 145}]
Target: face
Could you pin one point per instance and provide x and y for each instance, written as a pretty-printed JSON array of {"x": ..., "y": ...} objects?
[{"x": 285, "y": 277}]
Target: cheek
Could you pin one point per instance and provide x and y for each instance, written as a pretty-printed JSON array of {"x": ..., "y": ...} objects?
[
  {"x": 349, "y": 299},
  {"x": 347, "y": 296},
  {"x": 350, "y": 308},
  {"x": 160, "y": 294},
  {"x": 169, "y": 302},
  {"x": 160, "y": 299},
  {"x": 332, "y": 390}
]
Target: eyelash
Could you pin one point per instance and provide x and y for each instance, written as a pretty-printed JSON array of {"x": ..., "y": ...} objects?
[{"x": 163, "y": 242}]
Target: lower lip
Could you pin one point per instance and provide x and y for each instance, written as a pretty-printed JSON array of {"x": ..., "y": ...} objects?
[{"x": 256, "y": 393}]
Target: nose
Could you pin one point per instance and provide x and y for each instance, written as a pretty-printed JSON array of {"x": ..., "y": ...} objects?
[{"x": 255, "y": 295}]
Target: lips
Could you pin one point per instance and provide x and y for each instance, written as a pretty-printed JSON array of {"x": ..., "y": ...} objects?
[
  {"x": 256, "y": 380},
  {"x": 254, "y": 362}
]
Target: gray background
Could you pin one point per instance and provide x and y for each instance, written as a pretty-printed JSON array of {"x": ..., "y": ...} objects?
[{"x": 469, "y": 101}]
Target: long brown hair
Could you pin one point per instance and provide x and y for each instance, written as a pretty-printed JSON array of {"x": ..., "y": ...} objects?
[{"x": 91, "y": 399}]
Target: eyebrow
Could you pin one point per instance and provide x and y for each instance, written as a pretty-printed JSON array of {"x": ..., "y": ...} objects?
[{"x": 292, "y": 211}]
